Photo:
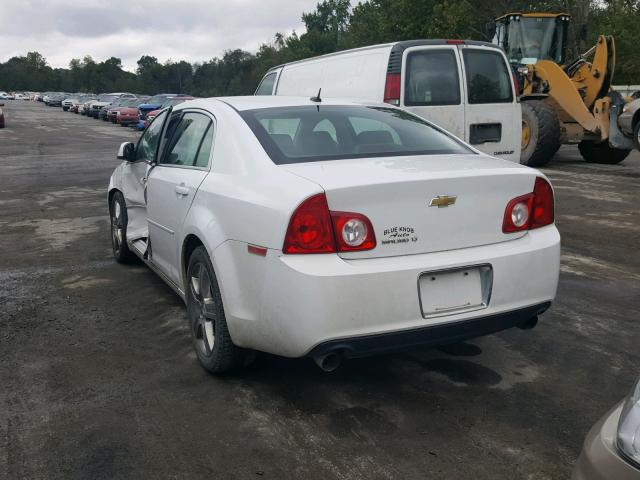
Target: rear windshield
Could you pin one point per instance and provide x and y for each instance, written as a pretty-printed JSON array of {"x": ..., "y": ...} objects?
[
  {"x": 315, "y": 133},
  {"x": 488, "y": 79}
]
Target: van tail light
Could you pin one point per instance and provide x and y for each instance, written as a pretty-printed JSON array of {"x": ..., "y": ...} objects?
[
  {"x": 455, "y": 41},
  {"x": 314, "y": 229},
  {"x": 533, "y": 210},
  {"x": 392, "y": 89},
  {"x": 516, "y": 85}
]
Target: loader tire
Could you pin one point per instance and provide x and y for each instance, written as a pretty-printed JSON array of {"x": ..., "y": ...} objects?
[
  {"x": 540, "y": 133},
  {"x": 601, "y": 152}
]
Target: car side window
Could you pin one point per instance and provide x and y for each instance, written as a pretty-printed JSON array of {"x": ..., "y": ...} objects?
[
  {"x": 202, "y": 159},
  {"x": 148, "y": 144},
  {"x": 187, "y": 137},
  {"x": 266, "y": 86}
]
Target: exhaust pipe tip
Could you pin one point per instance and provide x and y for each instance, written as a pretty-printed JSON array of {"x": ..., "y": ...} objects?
[
  {"x": 328, "y": 362},
  {"x": 529, "y": 324}
]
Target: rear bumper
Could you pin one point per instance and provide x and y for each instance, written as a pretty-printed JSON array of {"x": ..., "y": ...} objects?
[
  {"x": 599, "y": 459},
  {"x": 293, "y": 305},
  {"x": 430, "y": 336}
]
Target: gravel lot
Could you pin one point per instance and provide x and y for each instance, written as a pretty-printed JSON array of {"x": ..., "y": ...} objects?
[{"x": 98, "y": 378}]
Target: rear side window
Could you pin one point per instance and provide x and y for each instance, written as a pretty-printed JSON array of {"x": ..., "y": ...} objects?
[
  {"x": 335, "y": 132},
  {"x": 431, "y": 78},
  {"x": 488, "y": 79},
  {"x": 186, "y": 140},
  {"x": 266, "y": 86}
]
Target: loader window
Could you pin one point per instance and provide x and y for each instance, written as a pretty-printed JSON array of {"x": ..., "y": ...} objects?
[
  {"x": 431, "y": 78},
  {"x": 488, "y": 78}
]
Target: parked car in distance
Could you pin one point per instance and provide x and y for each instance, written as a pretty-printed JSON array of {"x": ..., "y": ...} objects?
[
  {"x": 169, "y": 102},
  {"x": 77, "y": 104},
  {"x": 112, "y": 111},
  {"x": 104, "y": 111},
  {"x": 68, "y": 101},
  {"x": 4, "y": 96},
  {"x": 127, "y": 114},
  {"x": 260, "y": 209},
  {"x": 103, "y": 100},
  {"x": 155, "y": 103},
  {"x": 1, "y": 116},
  {"x": 20, "y": 96},
  {"x": 629, "y": 121},
  {"x": 55, "y": 99},
  {"x": 612, "y": 447},
  {"x": 466, "y": 87}
]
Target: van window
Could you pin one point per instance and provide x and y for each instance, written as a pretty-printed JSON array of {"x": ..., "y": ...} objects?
[
  {"x": 488, "y": 79},
  {"x": 266, "y": 86},
  {"x": 336, "y": 132},
  {"x": 431, "y": 78}
]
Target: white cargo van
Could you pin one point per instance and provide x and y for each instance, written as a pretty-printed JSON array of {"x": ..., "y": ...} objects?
[{"x": 466, "y": 87}]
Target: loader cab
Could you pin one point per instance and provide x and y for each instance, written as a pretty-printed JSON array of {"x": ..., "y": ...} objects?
[{"x": 529, "y": 37}]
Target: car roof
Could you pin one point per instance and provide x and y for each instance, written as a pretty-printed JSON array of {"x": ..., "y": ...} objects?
[{"x": 251, "y": 102}]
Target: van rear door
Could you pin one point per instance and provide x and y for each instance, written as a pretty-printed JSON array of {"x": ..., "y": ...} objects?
[
  {"x": 493, "y": 122},
  {"x": 432, "y": 88}
]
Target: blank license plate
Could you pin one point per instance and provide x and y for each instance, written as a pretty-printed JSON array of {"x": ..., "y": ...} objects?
[{"x": 454, "y": 291}]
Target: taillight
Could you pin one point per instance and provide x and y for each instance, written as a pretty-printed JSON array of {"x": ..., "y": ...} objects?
[
  {"x": 533, "y": 210},
  {"x": 353, "y": 232},
  {"x": 310, "y": 228},
  {"x": 517, "y": 215},
  {"x": 543, "y": 204},
  {"x": 455, "y": 42},
  {"x": 314, "y": 229},
  {"x": 392, "y": 89}
]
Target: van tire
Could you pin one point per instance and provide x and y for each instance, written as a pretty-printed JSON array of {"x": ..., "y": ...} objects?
[
  {"x": 544, "y": 133},
  {"x": 601, "y": 152}
]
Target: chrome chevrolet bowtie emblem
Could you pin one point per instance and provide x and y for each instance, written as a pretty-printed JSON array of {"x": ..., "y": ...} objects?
[{"x": 442, "y": 201}]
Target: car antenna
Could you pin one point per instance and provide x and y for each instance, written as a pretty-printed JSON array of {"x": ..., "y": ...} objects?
[{"x": 317, "y": 97}]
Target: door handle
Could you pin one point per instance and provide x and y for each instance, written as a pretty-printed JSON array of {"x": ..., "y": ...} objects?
[{"x": 182, "y": 190}]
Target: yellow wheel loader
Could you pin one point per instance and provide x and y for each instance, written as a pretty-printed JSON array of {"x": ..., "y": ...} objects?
[{"x": 563, "y": 102}]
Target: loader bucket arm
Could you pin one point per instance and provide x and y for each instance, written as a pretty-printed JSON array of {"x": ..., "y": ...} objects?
[{"x": 563, "y": 90}]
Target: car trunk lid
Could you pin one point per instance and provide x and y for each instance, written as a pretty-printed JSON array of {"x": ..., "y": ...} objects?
[{"x": 422, "y": 204}]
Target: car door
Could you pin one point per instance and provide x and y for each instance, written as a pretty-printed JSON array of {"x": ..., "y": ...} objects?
[
  {"x": 493, "y": 119},
  {"x": 182, "y": 165},
  {"x": 134, "y": 178},
  {"x": 432, "y": 86}
]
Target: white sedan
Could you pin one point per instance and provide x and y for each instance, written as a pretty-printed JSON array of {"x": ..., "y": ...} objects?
[{"x": 331, "y": 229}]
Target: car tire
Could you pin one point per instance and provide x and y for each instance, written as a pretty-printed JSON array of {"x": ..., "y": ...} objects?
[
  {"x": 540, "y": 133},
  {"x": 601, "y": 152},
  {"x": 119, "y": 222},
  {"x": 212, "y": 342}
]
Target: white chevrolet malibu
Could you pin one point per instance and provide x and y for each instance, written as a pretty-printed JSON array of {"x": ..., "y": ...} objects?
[{"x": 331, "y": 229}]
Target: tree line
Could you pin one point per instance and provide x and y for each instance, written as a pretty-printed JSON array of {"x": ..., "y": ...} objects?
[{"x": 333, "y": 25}]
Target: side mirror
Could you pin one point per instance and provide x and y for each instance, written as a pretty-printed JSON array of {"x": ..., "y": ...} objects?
[{"x": 127, "y": 151}]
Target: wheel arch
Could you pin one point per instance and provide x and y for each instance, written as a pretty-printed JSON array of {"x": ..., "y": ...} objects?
[{"x": 112, "y": 192}]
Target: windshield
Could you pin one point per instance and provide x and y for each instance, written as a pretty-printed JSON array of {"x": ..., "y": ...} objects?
[
  {"x": 107, "y": 98},
  {"x": 157, "y": 99},
  {"x": 533, "y": 39},
  {"x": 315, "y": 133}
]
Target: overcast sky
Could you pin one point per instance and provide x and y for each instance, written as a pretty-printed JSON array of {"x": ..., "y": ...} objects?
[{"x": 193, "y": 30}]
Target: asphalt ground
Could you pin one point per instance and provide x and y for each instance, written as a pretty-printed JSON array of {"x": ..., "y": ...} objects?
[{"x": 98, "y": 379}]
